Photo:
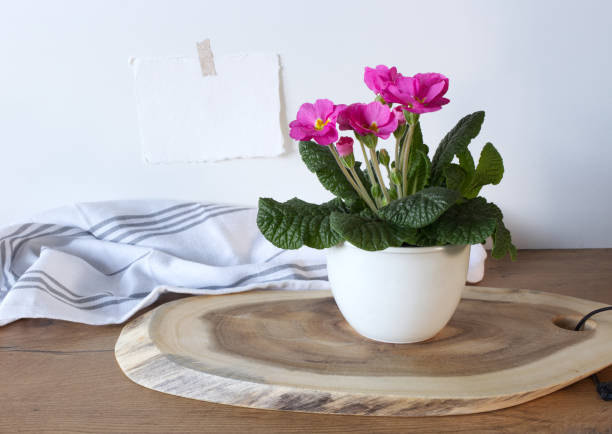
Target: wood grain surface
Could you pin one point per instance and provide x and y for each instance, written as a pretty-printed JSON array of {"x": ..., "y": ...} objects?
[
  {"x": 57, "y": 376},
  {"x": 286, "y": 350}
]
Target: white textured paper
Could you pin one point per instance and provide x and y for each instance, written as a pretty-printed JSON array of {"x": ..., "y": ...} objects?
[{"x": 185, "y": 117}]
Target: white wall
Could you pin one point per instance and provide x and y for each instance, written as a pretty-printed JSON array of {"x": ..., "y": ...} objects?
[{"x": 541, "y": 70}]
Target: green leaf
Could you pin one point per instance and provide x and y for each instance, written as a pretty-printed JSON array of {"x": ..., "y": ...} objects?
[
  {"x": 316, "y": 157},
  {"x": 490, "y": 170},
  {"x": 420, "y": 209},
  {"x": 320, "y": 161},
  {"x": 419, "y": 165},
  {"x": 418, "y": 174},
  {"x": 368, "y": 233},
  {"x": 295, "y": 223},
  {"x": 354, "y": 205},
  {"x": 470, "y": 222},
  {"x": 454, "y": 143},
  {"x": 423, "y": 237},
  {"x": 467, "y": 162},
  {"x": 502, "y": 240},
  {"x": 417, "y": 143},
  {"x": 473, "y": 222},
  {"x": 417, "y": 140},
  {"x": 455, "y": 177},
  {"x": 337, "y": 184}
]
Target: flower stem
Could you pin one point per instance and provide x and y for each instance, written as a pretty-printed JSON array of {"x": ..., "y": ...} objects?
[
  {"x": 398, "y": 164},
  {"x": 363, "y": 189},
  {"x": 369, "y": 169},
  {"x": 360, "y": 191},
  {"x": 381, "y": 181},
  {"x": 405, "y": 155},
  {"x": 397, "y": 152}
]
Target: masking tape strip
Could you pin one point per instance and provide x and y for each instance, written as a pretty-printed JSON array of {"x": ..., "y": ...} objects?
[{"x": 207, "y": 61}]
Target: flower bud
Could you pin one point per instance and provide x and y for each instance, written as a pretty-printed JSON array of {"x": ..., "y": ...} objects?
[
  {"x": 398, "y": 112},
  {"x": 396, "y": 177},
  {"x": 369, "y": 140},
  {"x": 393, "y": 193},
  {"x": 376, "y": 192},
  {"x": 383, "y": 157},
  {"x": 399, "y": 132},
  {"x": 344, "y": 146},
  {"x": 348, "y": 161}
]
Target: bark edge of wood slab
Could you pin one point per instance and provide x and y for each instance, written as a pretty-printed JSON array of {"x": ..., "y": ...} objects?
[{"x": 292, "y": 350}]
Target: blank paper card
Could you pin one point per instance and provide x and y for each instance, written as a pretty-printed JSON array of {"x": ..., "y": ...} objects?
[{"x": 187, "y": 117}]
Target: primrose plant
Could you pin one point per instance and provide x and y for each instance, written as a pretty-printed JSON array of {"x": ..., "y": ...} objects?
[{"x": 411, "y": 200}]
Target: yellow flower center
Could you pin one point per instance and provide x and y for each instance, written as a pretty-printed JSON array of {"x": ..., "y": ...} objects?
[
  {"x": 374, "y": 127},
  {"x": 319, "y": 124}
]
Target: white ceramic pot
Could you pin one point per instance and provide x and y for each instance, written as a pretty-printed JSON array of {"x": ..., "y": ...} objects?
[{"x": 400, "y": 294}]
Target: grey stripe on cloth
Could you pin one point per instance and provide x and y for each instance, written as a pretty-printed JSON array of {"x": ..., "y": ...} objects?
[
  {"x": 6, "y": 245},
  {"x": 295, "y": 276},
  {"x": 19, "y": 230},
  {"x": 156, "y": 234},
  {"x": 199, "y": 213},
  {"x": 45, "y": 288},
  {"x": 10, "y": 240},
  {"x": 36, "y": 233},
  {"x": 41, "y": 281},
  {"x": 15, "y": 249},
  {"x": 76, "y": 300},
  {"x": 106, "y": 271},
  {"x": 137, "y": 216},
  {"x": 265, "y": 273},
  {"x": 5, "y": 251},
  {"x": 274, "y": 256},
  {"x": 40, "y": 228},
  {"x": 148, "y": 222},
  {"x": 28, "y": 237},
  {"x": 62, "y": 229}
]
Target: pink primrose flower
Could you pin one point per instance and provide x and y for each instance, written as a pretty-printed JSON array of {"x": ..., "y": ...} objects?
[
  {"x": 344, "y": 146},
  {"x": 398, "y": 112},
  {"x": 422, "y": 93},
  {"x": 379, "y": 78},
  {"x": 316, "y": 122},
  {"x": 373, "y": 118}
]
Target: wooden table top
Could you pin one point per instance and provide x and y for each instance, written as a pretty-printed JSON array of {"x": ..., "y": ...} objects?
[{"x": 57, "y": 376}]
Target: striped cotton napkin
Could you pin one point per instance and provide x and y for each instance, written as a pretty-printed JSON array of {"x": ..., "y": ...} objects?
[{"x": 99, "y": 263}]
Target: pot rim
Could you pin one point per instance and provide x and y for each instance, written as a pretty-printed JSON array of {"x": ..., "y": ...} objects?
[{"x": 404, "y": 250}]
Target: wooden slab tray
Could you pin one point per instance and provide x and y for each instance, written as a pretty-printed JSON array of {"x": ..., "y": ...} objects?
[{"x": 286, "y": 350}]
